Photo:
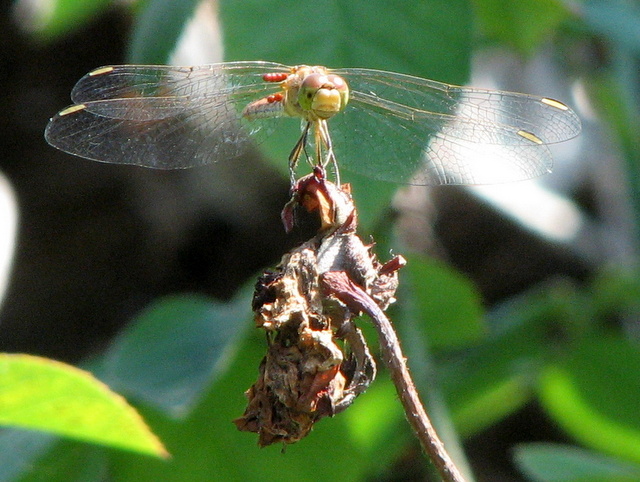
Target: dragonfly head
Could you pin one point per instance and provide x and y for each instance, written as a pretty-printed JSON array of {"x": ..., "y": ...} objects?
[{"x": 321, "y": 96}]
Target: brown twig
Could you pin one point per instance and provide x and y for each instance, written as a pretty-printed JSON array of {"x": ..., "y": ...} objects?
[{"x": 339, "y": 285}]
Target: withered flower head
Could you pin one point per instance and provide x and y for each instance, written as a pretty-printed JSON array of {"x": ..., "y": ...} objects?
[
  {"x": 317, "y": 361},
  {"x": 314, "y": 193}
]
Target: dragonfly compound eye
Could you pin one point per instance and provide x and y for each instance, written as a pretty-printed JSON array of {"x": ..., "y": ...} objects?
[{"x": 323, "y": 95}]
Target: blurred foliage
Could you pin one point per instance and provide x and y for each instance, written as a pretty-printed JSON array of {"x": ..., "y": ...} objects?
[
  {"x": 521, "y": 25},
  {"x": 546, "y": 462},
  {"x": 572, "y": 349},
  {"x": 51, "y": 20}
]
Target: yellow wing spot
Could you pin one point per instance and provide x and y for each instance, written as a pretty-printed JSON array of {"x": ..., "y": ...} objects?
[
  {"x": 72, "y": 109},
  {"x": 101, "y": 71},
  {"x": 530, "y": 137},
  {"x": 554, "y": 103}
]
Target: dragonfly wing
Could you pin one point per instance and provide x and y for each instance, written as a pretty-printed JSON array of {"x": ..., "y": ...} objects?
[
  {"x": 550, "y": 120},
  {"x": 163, "y": 117},
  {"x": 448, "y": 159},
  {"x": 191, "y": 136},
  {"x": 425, "y": 132},
  {"x": 132, "y": 81}
]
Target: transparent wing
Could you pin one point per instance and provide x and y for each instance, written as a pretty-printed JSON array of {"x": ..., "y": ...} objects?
[
  {"x": 406, "y": 129},
  {"x": 164, "y": 117},
  {"x": 396, "y": 127}
]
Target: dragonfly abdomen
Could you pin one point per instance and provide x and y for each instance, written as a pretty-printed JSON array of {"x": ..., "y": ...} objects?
[{"x": 268, "y": 107}]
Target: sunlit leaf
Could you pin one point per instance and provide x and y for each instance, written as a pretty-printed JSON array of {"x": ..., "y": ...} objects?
[{"x": 41, "y": 394}]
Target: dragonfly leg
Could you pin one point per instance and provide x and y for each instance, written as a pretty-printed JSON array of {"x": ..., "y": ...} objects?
[
  {"x": 318, "y": 143},
  {"x": 297, "y": 151},
  {"x": 323, "y": 132}
]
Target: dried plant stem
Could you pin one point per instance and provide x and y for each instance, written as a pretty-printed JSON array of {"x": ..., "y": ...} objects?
[
  {"x": 411, "y": 402},
  {"x": 338, "y": 284}
]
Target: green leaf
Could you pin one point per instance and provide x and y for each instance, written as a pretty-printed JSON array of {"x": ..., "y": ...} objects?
[
  {"x": 422, "y": 38},
  {"x": 447, "y": 303},
  {"x": 174, "y": 350},
  {"x": 20, "y": 449},
  {"x": 70, "y": 461},
  {"x": 492, "y": 379},
  {"x": 158, "y": 27},
  {"x": 486, "y": 384},
  {"x": 376, "y": 417},
  {"x": 41, "y": 394},
  {"x": 614, "y": 96},
  {"x": 53, "y": 19},
  {"x": 525, "y": 25},
  {"x": 616, "y": 290},
  {"x": 547, "y": 462},
  {"x": 594, "y": 396},
  {"x": 429, "y": 39},
  {"x": 372, "y": 198}
]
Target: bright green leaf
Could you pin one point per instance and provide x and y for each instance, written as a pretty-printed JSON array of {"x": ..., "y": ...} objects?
[
  {"x": 376, "y": 417},
  {"x": 547, "y": 462},
  {"x": 594, "y": 396},
  {"x": 41, "y": 394}
]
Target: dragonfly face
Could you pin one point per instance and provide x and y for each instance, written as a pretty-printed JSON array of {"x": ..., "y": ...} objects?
[
  {"x": 381, "y": 124},
  {"x": 323, "y": 95},
  {"x": 320, "y": 95}
]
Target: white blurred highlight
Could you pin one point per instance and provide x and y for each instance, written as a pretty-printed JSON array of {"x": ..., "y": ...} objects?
[
  {"x": 8, "y": 224},
  {"x": 535, "y": 207},
  {"x": 32, "y": 15}
]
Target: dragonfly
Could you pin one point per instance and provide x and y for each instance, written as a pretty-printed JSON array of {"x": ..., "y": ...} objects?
[{"x": 384, "y": 125}]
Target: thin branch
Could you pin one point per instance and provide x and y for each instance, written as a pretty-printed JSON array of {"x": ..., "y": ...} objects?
[{"x": 338, "y": 284}]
